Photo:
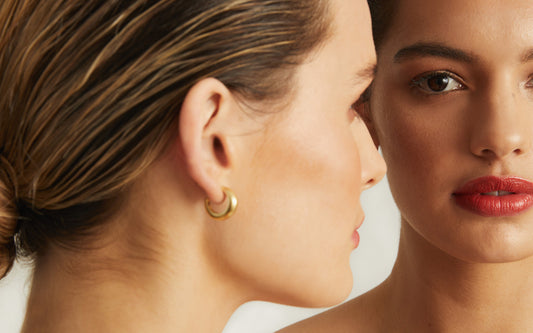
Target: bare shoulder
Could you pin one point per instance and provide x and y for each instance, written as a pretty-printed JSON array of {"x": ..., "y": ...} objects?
[{"x": 361, "y": 314}]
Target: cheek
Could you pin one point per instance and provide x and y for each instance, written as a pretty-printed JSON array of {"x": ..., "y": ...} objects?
[
  {"x": 316, "y": 166},
  {"x": 421, "y": 152},
  {"x": 299, "y": 204},
  {"x": 406, "y": 144},
  {"x": 310, "y": 182}
]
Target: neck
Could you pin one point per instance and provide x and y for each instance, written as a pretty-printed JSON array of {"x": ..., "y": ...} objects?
[
  {"x": 444, "y": 294},
  {"x": 75, "y": 292}
]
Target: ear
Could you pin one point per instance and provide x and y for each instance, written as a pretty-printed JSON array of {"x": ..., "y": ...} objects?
[
  {"x": 203, "y": 135},
  {"x": 363, "y": 109}
]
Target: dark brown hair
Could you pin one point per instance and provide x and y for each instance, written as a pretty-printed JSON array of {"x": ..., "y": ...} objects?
[
  {"x": 90, "y": 88},
  {"x": 382, "y": 12}
]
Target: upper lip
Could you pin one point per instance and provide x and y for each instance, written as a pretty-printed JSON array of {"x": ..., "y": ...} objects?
[
  {"x": 490, "y": 184},
  {"x": 358, "y": 225},
  {"x": 360, "y": 221}
]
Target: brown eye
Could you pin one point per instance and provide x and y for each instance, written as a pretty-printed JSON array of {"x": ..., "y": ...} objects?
[{"x": 437, "y": 82}]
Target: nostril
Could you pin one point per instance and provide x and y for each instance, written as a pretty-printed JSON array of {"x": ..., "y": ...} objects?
[
  {"x": 487, "y": 153},
  {"x": 370, "y": 183},
  {"x": 492, "y": 154}
]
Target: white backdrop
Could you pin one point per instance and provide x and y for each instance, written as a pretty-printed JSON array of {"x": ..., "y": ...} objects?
[{"x": 371, "y": 263}]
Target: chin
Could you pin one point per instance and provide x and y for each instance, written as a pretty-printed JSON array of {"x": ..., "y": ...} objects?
[
  {"x": 500, "y": 249},
  {"x": 473, "y": 239},
  {"x": 329, "y": 294},
  {"x": 500, "y": 256},
  {"x": 326, "y": 301},
  {"x": 318, "y": 295}
]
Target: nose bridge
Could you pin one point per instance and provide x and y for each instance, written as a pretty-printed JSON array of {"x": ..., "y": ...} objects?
[
  {"x": 373, "y": 166},
  {"x": 500, "y": 121}
]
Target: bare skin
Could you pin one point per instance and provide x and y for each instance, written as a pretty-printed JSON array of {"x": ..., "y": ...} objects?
[
  {"x": 456, "y": 271},
  {"x": 161, "y": 264},
  {"x": 434, "y": 293},
  {"x": 131, "y": 285}
]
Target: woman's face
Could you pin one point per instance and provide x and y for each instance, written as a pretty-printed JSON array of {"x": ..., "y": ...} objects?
[
  {"x": 298, "y": 188},
  {"x": 452, "y": 107}
]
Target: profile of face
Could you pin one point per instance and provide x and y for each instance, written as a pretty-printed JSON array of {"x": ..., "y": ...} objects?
[
  {"x": 452, "y": 108},
  {"x": 300, "y": 183}
]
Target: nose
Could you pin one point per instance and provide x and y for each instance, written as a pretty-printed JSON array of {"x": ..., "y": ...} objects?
[
  {"x": 373, "y": 166},
  {"x": 501, "y": 125}
]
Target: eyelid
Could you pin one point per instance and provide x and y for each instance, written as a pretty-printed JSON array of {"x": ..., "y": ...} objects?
[
  {"x": 416, "y": 82},
  {"x": 529, "y": 82},
  {"x": 357, "y": 106}
]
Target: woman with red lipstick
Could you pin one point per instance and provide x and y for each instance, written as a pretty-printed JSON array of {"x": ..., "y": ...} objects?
[
  {"x": 162, "y": 162},
  {"x": 452, "y": 109},
  {"x": 495, "y": 196}
]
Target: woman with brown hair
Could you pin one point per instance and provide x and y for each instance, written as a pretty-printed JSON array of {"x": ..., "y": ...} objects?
[
  {"x": 456, "y": 133},
  {"x": 163, "y": 162}
]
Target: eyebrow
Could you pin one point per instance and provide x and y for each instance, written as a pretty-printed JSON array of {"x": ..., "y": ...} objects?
[
  {"x": 433, "y": 50},
  {"x": 366, "y": 74}
]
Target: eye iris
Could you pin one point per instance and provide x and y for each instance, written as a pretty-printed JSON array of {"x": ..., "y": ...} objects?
[{"x": 438, "y": 82}]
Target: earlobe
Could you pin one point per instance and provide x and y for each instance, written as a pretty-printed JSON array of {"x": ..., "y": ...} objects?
[{"x": 203, "y": 138}]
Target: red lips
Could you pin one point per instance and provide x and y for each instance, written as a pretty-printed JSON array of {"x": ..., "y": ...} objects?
[{"x": 495, "y": 196}]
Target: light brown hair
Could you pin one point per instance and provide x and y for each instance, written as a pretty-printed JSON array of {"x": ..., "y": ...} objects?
[{"x": 90, "y": 88}]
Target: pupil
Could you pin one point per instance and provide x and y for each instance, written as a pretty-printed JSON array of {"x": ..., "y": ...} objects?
[{"x": 438, "y": 82}]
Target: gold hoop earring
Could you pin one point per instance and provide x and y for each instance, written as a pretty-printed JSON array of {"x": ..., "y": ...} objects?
[{"x": 232, "y": 206}]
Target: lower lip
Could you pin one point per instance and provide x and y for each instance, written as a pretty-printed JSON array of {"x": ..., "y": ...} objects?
[
  {"x": 355, "y": 238},
  {"x": 495, "y": 206}
]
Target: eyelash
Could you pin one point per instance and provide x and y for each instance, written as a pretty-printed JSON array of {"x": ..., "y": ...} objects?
[
  {"x": 355, "y": 107},
  {"x": 529, "y": 83},
  {"x": 421, "y": 82}
]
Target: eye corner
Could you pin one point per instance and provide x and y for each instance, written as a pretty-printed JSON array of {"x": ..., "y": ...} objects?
[
  {"x": 529, "y": 83},
  {"x": 359, "y": 107}
]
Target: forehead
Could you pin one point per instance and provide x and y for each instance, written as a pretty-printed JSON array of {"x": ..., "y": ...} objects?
[
  {"x": 351, "y": 43},
  {"x": 348, "y": 55},
  {"x": 473, "y": 25}
]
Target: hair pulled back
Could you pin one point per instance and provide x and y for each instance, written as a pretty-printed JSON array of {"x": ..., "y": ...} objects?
[
  {"x": 8, "y": 215},
  {"x": 90, "y": 88}
]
